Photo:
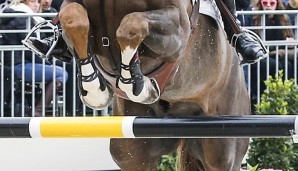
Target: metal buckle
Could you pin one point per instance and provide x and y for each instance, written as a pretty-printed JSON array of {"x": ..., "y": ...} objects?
[
  {"x": 29, "y": 44},
  {"x": 105, "y": 41}
]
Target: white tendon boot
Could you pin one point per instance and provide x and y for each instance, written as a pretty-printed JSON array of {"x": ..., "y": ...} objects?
[
  {"x": 94, "y": 90},
  {"x": 137, "y": 87}
]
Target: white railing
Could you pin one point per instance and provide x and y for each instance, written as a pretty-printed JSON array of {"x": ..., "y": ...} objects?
[
  {"x": 27, "y": 91},
  {"x": 254, "y": 81}
]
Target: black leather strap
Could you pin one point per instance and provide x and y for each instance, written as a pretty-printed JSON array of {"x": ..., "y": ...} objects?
[{"x": 229, "y": 17}]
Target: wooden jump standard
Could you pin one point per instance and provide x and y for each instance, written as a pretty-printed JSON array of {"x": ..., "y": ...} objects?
[{"x": 152, "y": 127}]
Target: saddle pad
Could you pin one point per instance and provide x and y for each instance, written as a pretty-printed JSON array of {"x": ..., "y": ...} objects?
[{"x": 209, "y": 7}]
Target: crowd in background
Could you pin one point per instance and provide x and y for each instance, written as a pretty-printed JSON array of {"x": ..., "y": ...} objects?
[
  {"x": 17, "y": 23},
  {"x": 280, "y": 63},
  {"x": 53, "y": 6}
]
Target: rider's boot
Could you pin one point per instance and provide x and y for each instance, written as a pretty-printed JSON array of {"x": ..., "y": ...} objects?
[
  {"x": 60, "y": 50},
  {"x": 247, "y": 44}
]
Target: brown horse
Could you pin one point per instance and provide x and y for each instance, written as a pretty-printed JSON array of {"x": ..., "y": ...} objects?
[{"x": 161, "y": 58}]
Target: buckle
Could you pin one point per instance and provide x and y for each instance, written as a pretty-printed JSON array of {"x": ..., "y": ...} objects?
[
  {"x": 105, "y": 41},
  {"x": 38, "y": 26}
]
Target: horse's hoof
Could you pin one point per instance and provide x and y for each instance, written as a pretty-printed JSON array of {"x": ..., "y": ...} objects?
[
  {"x": 148, "y": 95},
  {"x": 98, "y": 99}
]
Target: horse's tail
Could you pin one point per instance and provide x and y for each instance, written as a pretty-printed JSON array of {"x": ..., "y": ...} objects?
[{"x": 185, "y": 162}]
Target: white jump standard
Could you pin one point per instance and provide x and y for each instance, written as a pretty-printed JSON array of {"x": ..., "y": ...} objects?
[{"x": 149, "y": 127}]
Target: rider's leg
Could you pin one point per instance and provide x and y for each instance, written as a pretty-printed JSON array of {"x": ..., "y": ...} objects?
[
  {"x": 60, "y": 50},
  {"x": 250, "y": 49}
]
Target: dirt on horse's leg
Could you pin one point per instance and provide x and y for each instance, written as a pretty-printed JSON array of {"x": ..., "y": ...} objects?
[{"x": 94, "y": 90}]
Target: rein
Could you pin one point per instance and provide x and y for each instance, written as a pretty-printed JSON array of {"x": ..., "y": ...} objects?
[
  {"x": 106, "y": 48},
  {"x": 227, "y": 14}
]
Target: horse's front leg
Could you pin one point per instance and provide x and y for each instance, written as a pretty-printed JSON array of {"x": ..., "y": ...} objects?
[
  {"x": 164, "y": 32},
  {"x": 94, "y": 91}
]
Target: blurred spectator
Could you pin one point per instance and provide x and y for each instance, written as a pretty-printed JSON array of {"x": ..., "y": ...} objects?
[
  {"x": 72, "y": 95},
  {"x": 244, "y": 5},
  {"x": 292, "y": 5},
  {"x": 273, "y": 20},
  {"x": 285, "y": 2},
  {"x": 7, "y": 93},
  {"x": 19, "y": 23},
  {"x": 56, "y": 4},
  {"x": 46, "y": 8},
  {"x": 270, "y": 35}
]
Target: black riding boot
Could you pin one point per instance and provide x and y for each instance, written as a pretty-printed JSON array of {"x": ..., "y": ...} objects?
[
  {"x": 60, "y": 50},
  {"x": 246, "y": 44}
]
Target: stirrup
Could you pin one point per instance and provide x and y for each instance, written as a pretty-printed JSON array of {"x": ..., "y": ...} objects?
[
  {"x": 254, "y": 36},
  {"x": 38, "y": 26},
  {"x": 4, "y": 5}
]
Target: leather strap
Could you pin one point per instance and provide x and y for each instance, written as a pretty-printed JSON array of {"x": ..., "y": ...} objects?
[
  {"x": 230, "y": 18},
  {"x": 194, "y": 18},
  {"x": 55, "y": 20},
  {"x": 106, "y": 50}
]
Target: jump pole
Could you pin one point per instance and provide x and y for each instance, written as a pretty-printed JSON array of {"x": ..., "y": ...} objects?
[{"x": 150, "y": 127}]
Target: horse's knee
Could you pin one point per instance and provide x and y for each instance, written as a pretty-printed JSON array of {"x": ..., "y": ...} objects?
[
  {"x": 74, "y": 20},
  {"x": 74, "y": 17},
  {"x": 132, "y": 30}
]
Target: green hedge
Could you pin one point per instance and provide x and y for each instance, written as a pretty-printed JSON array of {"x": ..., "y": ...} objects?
[
  {"x": 167, "y": 162},
  {"x": 281, "y": 98}
]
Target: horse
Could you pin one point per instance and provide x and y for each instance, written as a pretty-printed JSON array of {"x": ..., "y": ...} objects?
[{"x": 158, "y": 58}]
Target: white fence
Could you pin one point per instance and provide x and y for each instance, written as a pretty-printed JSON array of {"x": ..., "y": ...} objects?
[
  {"x": 286, "y": 51},
  {"x": 50, "y": 154},
  {"x": 25, "y": 93},
  {"x": 285, "y": 55}
]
